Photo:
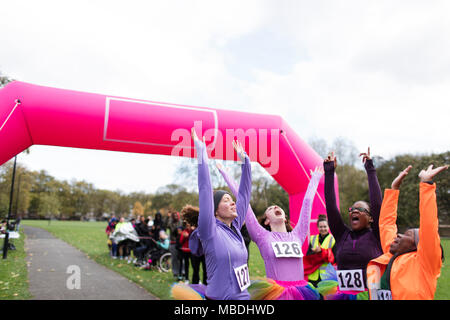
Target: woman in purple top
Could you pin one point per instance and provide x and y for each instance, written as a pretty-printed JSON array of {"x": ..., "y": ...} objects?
[
  {"x": 281, "y": 250},
  {"x": 219, "y": 224},
  {"x": 355, "y": 245}
]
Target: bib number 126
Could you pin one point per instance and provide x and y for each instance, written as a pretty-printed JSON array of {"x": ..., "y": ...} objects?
[
  {"x": 350, "y": 280},
  {"x": 287, "y": 249}
]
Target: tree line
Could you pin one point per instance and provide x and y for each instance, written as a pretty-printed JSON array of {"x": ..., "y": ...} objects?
[{"x": 39, "y": 195}]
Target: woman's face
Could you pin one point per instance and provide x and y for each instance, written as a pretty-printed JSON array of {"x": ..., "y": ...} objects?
[
  {"x": 274, "y": 215},
  {"x": 359, "y": 215},
  {"x": 323, "y": 228},
  {"x": 403, "y": 243},
  {"x": 226, "y": 211}
]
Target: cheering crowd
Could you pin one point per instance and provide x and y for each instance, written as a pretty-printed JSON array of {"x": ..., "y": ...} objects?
[{"x": 365, "y": 260}]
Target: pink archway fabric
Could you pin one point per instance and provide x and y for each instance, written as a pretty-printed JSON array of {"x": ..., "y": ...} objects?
[{"x": 57, "y": 117}]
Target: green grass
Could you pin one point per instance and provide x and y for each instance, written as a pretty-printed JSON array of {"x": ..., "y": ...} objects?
[
  {"x": 13, "y": 272},
  {"x": 90, "y": 238},
  {"x": 443, "y": 285}
]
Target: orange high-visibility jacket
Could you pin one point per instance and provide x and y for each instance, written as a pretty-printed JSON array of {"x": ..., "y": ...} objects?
[{"x": 413, "y": 275}]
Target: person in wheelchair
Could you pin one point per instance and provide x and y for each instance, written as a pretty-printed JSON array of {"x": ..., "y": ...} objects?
[{"x": 161, "y": 247}]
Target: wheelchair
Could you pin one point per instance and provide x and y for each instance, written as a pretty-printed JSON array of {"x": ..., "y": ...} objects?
[{"x": 160, "y": 258}]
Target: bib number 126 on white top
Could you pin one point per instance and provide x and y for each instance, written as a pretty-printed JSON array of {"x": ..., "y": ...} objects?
[{"x": 286, "y": 249}]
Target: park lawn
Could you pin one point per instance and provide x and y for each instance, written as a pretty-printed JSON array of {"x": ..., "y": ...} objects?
[
  {"x": 14, "y": 272},
  {"x": 90, "y": 238},
  {"x": 443, "y": 285}
]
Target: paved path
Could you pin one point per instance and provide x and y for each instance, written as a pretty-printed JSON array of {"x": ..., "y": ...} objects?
[{"x": 48, "y": 260}]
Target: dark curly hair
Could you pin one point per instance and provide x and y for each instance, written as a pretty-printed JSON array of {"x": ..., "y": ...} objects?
[{"x": 190, "y": 214}]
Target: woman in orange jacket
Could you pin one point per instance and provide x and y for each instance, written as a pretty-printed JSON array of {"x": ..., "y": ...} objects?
[{"x": 409, "y": 268}]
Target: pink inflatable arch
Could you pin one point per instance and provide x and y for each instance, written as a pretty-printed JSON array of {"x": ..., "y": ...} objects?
[{"x": 32, "y": 114}]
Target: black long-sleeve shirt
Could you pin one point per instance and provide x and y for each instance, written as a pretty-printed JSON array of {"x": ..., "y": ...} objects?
[{"x": 354, "y": 249}]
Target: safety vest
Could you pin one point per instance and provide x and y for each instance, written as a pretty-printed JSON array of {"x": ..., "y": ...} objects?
[{"x": 327, "y": 243}]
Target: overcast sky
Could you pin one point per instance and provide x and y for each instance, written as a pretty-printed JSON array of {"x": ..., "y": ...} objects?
[{"x": 375, "y": 72}]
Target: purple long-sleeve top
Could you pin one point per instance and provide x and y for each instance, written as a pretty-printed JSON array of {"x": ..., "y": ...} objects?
[
  {"x": 354, "y": 249},
  {"x": 223, "y": 247},
  {"x": 277, "y": 268}
]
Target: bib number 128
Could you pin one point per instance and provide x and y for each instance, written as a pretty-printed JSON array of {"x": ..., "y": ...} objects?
[{"x": 350, "y": 280}]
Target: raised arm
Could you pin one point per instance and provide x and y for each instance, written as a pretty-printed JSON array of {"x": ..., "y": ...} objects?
[
  {"x": 388, "y": 219},
  {"x": 428, "y": 249},
  {"x": 206, "y": 218},
  {"x": 388, "y": 212},
  {"x": 245, "y": 185},
  {"x": 302, "y": 226},
  {"x": 232, "y": 184},
  {"x": 337, "y": 226},
  {"x": 255, "y": 230},
  {"x": 375, "y": 194}
]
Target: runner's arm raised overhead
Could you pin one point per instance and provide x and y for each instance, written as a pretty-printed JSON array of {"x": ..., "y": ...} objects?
[
  {"x": 206, "y": 217},
  {"x": 375, "y": 194},
  {"x": 245, "y": 185},
  {"x": 429, "y": 249},
  {"x": 302, "y": 226},
  {"x": 337, "y": 226}
]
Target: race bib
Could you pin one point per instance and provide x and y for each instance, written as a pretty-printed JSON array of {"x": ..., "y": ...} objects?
[
  {"x": 384, "y": 294},
  {"x": 350, "y": 280},
  {"x": 286, "y": 249},
  {"x": 242, "y": 277}
]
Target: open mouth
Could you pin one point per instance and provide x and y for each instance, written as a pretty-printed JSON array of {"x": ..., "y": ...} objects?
[
  {"x": 393, "y": 245},
  {"x": 278, "y": 212},
  {"x": 355, "y": 218}
]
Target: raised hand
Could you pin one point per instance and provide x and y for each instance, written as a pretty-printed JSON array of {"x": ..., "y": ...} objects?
[
  {"x": 398, "y": 181},
  {"x": 429, "y": 173},
  {"x": 331, "y": 158},
  {"x": 239, "y": 149},
  {"x": 366, "y": 156},
  {"x": 194, "y": 134}
]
